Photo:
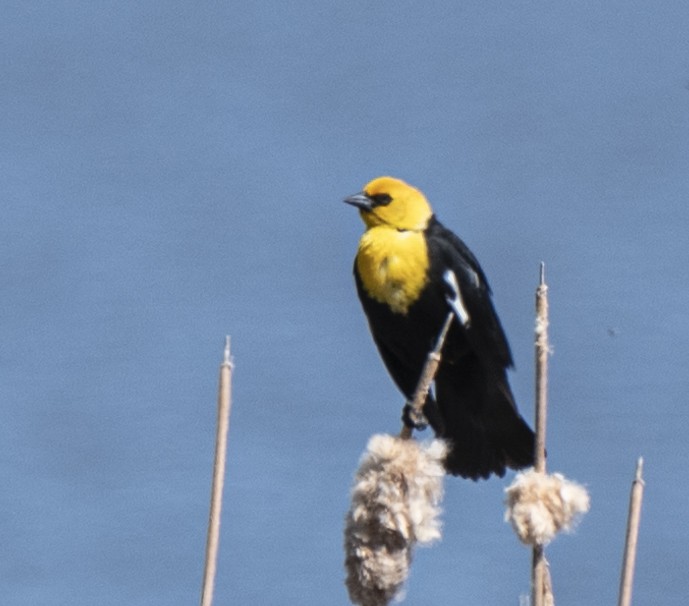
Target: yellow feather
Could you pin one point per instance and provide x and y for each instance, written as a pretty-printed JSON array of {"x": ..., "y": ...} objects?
[{"x": 393, "y": 265}]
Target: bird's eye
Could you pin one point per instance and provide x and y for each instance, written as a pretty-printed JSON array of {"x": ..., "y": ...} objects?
[{"x": 380, "y": 199}]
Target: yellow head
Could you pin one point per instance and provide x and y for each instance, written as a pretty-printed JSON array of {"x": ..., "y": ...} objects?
[{"x": 392, "y": 202}]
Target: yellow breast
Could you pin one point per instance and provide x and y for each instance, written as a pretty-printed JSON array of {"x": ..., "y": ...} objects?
[{"x": 393, "y": 266}]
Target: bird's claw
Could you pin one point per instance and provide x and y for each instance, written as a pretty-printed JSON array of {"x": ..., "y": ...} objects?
[{"x": 414, "y": 419}]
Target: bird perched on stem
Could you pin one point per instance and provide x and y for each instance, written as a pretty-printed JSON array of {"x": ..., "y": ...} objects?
[{"x": 410, "y": 272}]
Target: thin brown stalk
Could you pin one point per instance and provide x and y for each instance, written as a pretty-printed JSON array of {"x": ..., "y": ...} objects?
[
  {"x": 635, "y": 499},
  {"x": 427, "y": 376},
  {"x": 540, "y": 576},
  {"x": 223, "y": 425},
  {"x": 542, "y": 350}
]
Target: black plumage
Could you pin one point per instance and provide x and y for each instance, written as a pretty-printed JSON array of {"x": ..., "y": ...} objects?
[{"x": 472, "y": 404}]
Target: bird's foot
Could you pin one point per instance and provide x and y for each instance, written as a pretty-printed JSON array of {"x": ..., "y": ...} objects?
[{"x": 414, "y": 419}]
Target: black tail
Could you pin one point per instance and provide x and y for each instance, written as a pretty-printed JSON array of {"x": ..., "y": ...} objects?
[{"x": 476, "y": 414}]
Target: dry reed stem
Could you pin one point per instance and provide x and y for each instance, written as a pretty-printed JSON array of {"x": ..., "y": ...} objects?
[
  {"x": 542, "y": 351},
  {"x": 540, "y": 573},
  {"x": 635, "y": 499},
  {"x": 223, "y": 425},
  {"x": 427, "y": 376}
]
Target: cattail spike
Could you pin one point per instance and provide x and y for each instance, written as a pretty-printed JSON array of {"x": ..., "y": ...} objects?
[{"x": 227, "y": 358}]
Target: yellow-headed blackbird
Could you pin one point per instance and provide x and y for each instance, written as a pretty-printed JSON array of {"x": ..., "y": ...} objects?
[{"x": 410, "y": 272}]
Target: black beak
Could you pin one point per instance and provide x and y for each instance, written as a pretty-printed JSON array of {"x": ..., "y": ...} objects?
[{"x": 360, "y": 200}]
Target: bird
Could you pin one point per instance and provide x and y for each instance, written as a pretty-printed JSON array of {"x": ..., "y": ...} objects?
[{"x": 410, "y": 272}]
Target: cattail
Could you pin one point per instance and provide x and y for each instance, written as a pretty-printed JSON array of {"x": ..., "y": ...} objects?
[
  {"x": 395, "y": 505},
  {"x": 539, "y": 506}
]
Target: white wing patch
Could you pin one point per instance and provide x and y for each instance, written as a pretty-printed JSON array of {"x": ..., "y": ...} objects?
[{"x": 454, "y": 299}]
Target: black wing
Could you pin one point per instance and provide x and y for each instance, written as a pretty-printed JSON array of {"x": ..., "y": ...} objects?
[{"x": 483, "y": 332}]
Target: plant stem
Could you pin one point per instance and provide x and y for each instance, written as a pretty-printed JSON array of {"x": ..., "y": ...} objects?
[
  {"x": 542, "y": 350},
  {"x": 427, "y": 376},
  {"x": 540, "y": 575},
  {"x": 223, "y": 425},
  {"x": 635, "y": 499}
]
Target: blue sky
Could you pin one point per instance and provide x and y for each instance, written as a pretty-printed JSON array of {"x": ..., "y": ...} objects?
[{"x": 174, "y": 173}]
